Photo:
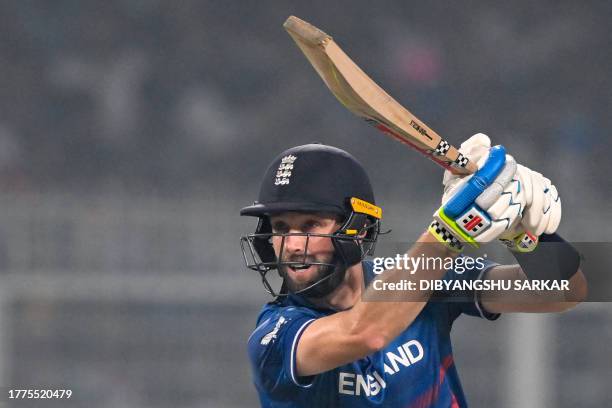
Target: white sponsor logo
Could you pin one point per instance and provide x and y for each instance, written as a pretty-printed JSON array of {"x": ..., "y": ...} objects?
[
  {"x": 283, "y": 174},
  {"x": 270, "y": 337},
  {"x": 356, "y": 384}
]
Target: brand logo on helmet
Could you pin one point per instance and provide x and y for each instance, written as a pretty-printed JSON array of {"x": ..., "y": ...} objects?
[
  {"x": 364, "y": 207},
  {"x": 283, "y": 174}
]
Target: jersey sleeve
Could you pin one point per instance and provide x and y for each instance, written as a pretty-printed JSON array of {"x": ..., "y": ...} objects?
[
  {"x": 272, "y": 347},
  {"x": 467, "y": 301}
]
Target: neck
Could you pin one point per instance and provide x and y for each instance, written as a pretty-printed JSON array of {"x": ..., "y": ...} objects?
[{"x": 347, "y": 293}]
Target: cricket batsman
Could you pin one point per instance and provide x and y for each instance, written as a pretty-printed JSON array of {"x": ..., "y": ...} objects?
[{"x": 328, "y": 339}]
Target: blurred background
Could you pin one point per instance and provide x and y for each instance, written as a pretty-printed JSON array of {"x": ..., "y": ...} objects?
[{"x": 133, "y": 131}]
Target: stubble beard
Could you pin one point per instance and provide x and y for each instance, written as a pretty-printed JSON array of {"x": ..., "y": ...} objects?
[{"x": 322, "y": 271}]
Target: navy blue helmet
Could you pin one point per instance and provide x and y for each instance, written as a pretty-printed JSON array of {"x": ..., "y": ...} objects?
[{"x": 314, "y": 178}]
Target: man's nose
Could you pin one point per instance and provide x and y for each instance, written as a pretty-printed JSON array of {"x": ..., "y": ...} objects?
[{"x": 295, "y": 244}]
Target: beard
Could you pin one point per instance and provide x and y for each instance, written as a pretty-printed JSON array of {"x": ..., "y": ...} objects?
[{"x": 321, "y": 271}]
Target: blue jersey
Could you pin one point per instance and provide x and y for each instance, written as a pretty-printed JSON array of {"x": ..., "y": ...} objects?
[{"x": 414, "y": 370}]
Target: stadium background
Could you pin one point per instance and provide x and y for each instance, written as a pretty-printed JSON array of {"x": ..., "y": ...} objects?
[{"x": 131, "y": 133}]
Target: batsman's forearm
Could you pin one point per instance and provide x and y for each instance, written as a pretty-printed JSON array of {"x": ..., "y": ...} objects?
[{"x": 385, "y": 315}]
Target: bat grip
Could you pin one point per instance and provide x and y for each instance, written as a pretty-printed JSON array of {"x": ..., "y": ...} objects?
[{"x": 477, "y": 183}]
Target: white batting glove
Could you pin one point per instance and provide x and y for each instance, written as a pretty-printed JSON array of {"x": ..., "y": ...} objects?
[
  {"x": 495, "y": 207},
  {"x": 481, "y": 207},
  {"x": 542, "y": 211}
]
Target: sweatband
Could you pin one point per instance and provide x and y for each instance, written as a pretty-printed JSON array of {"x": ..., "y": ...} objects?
[{"x": 554, "y": 259}]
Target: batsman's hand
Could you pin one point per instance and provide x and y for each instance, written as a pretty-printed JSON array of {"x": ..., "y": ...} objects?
[
  {"x": 481, "y": 207},
  {"x": 542, "y": 210}
]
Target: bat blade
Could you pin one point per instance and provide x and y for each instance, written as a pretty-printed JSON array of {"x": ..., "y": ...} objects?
[{"x": 362, "y": 96}]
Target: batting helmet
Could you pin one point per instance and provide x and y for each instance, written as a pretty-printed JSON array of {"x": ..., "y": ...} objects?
[{"x": 314, "y": 178}]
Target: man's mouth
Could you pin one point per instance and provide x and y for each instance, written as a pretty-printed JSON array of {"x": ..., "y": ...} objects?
[{"x": 299, "y": 266}]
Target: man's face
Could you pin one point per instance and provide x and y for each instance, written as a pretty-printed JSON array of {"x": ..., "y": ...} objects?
[{"x": 320, "y": 249}]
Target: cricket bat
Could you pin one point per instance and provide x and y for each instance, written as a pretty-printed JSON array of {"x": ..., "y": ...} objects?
[{"x": 362, "y": 96}]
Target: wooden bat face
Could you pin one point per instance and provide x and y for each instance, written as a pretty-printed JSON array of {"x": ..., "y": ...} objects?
[{"x": 362, "y": 96}]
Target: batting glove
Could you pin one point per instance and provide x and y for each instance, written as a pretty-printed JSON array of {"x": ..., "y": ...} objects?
[
  {"x": 542, "y": 212},
  {"x": 481, "y": 207}
]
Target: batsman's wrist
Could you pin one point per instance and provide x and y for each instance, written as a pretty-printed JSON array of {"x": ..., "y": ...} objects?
[
  {"x": 435, "y": 248},
  {"x": 445, "y": 237},
  {"x": 554, "y": 259},
  {"x": 522, "y": 242}
]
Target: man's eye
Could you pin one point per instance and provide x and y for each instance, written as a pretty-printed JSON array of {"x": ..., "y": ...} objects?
[
  {"x": 311, "y": 225},
  {"x": 280, "y": 229}
]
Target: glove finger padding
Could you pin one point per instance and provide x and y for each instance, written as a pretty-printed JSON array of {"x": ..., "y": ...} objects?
[
  {"x": 453, "y": 186},
  {"x": 547, "y": 204},
  {"x": 542, "y": 212},
  {"x": 505, "y": 212},
  {"x": 555, "y": 211},
  {"x": 523, "y": 174},
  {"x": 492, "y": 193},
  {"x": 460, "y": 219},
  {"x": 534, "y": 213},
  {"x": 510, "y": 198},
  {"x": 475, "y": 148}
]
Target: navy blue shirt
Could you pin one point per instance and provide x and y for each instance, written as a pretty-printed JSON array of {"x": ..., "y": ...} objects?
[{"x": 415, "y": 370}]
